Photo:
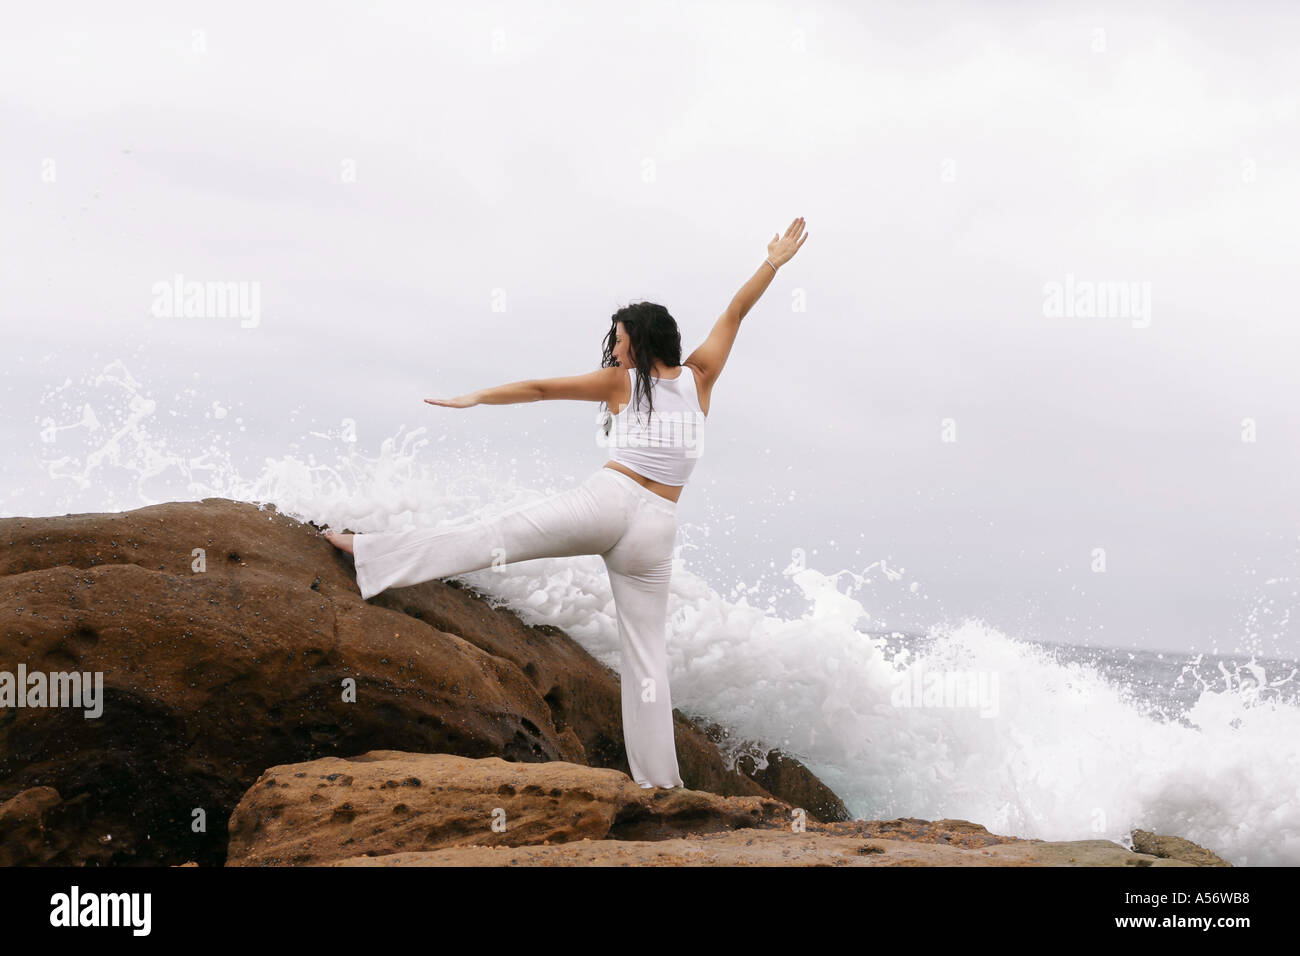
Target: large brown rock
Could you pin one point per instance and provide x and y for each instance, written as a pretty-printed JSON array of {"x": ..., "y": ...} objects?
[
  {"x": 213, "y": 673},
  {"x": 387, "y": 801}
]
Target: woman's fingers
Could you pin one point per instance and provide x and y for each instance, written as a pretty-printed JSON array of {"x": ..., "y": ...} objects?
[{"x": 796, "y": 227}]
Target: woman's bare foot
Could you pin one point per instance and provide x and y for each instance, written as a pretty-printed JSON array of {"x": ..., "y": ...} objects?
[{"x": 341, "y": 541}]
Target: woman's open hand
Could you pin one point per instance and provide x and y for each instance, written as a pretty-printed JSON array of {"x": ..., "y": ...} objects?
[
  {"x": 782, "y": 250},
  {"x": 464, "y": 401}
]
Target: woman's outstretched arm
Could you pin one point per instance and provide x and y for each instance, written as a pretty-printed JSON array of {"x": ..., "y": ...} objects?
[
  {"x": 712, "y": 353},
  {"x": 598, "y": 386}
]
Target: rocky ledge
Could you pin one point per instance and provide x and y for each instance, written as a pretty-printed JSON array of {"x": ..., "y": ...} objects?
[{"x": 388, "y": 808}]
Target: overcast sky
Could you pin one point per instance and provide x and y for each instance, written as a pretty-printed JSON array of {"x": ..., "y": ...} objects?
[{"x": 433, "y": 198}]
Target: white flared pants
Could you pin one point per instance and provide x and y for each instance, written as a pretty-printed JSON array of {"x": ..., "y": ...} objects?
[{"x": 609, "y": 514}]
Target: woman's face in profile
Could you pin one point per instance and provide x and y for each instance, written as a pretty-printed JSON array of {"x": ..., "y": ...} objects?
[{"x": 622, "y": 348}]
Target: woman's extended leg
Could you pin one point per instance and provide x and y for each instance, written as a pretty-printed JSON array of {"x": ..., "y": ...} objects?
[
  {"x": 587, "y": 519},
  {"x": 640, "y": 567}
]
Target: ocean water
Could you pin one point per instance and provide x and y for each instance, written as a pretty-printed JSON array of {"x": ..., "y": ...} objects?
[{"x": 961, "y": 720}]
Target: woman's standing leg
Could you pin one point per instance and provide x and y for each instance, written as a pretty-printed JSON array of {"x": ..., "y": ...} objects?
[
  {"x": 587, "y": 519},
  {"x": 640, "y": 567}
]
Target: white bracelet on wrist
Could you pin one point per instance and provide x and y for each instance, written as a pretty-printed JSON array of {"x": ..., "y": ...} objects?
[{"x": 769, "y": 262}]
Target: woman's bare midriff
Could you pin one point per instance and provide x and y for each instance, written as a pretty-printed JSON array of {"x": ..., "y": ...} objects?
[{"x": 671, "y": 492}]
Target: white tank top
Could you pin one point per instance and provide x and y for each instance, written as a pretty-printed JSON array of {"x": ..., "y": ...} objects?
[{"x": 665, "y": 447}]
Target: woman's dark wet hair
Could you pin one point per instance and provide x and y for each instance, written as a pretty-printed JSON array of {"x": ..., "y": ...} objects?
[{"x": 652, "y": 334}]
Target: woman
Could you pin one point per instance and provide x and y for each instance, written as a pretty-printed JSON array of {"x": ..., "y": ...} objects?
[{"x": 626, "y": 511}]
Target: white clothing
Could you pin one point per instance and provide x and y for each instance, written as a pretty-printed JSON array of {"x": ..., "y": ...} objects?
[
  {"x": 665, "y": 445},
  {"x": 629, "y": 526}
]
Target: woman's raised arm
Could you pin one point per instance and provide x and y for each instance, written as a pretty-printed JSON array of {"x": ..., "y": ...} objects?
[{"x": 712, "y": 353}]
